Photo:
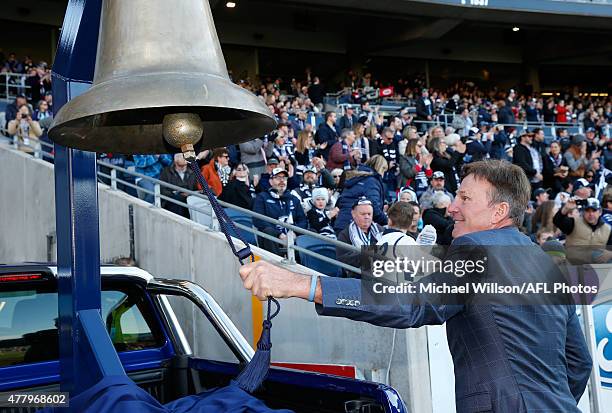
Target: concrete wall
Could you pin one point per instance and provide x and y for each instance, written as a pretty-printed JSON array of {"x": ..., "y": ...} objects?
[{"x": 171, "y": 246}]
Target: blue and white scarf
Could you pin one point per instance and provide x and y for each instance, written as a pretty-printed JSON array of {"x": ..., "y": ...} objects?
[
  {"x": 346, "y": 151},
  {"x": 359, "y": 238}
]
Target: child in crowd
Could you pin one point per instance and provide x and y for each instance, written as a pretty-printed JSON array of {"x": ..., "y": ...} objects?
[{"x": 318, "y": 218}]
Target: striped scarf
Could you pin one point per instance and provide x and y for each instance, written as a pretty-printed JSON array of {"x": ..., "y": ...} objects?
[{"x": 359, "y": 238}]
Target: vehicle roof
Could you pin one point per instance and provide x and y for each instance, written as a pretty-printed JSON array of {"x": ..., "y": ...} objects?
[{"x": 106, "y": 271}]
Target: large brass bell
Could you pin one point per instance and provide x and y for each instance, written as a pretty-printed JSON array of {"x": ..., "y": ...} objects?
[{"x": 160, "y": 85}]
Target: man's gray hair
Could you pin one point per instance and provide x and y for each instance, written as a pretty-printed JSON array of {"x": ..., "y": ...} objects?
[
  {"x": 345, "y": 133},
  {"x": 178, "y": 156},
  {"x": 440, "y": 198},
  {"x": 508, "y": 184}
]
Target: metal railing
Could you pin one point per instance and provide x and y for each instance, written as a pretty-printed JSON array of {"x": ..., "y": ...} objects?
[
  {"x": 289, "y": 243},
  {"x": 12, "y": 84}
]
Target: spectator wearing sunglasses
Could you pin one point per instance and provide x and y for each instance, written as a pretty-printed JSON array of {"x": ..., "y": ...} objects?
[
  {"x": 217, "y": 171},
  {"x": 239, "y": 190}
]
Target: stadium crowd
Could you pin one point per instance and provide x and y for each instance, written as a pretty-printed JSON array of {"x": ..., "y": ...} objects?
[{"x": 364, "y": 176}]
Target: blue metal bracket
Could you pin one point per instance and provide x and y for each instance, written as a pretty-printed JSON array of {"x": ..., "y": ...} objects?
[{"x": 86, "y": 352}]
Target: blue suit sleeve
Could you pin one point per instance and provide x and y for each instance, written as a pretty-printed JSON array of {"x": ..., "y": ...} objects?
[
  {"x": 342, "y": 298},
  {"x": 579, "y": 362}
]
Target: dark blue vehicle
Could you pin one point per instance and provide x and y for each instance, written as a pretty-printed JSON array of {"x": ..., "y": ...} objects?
[{"x": 142, "y": 318}]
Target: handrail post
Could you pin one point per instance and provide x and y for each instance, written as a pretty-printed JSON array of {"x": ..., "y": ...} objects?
[
  {"x": 157, "y": 193},
  {"x": 290, "y": 250},
  {"x": 113, "y": 175},
  {"x": 214, "y": 222}
]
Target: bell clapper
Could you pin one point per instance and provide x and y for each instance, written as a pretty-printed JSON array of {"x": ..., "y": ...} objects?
[{"x": 183, "y": 130}]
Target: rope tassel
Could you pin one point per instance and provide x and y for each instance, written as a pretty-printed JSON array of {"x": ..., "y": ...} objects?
[{"x": 254, "y": 373}]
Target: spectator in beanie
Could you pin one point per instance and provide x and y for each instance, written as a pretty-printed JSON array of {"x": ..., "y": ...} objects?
[
  {"x": 239, "y": 190},
  {"x": 366, "y": 181},
  {"x": 180, "y": 175},
  {"x": 361, "y": 231},
  {"x": 318, "y": 217},
  {"x": 407, "y": 195}
]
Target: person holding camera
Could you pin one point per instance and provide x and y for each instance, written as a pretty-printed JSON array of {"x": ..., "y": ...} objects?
[
  {"x": 588, "y": 230},
  {"x": 25, "y": 130}
]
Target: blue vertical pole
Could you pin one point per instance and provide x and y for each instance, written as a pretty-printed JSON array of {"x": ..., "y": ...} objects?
[{"x": 86, "y": 352}]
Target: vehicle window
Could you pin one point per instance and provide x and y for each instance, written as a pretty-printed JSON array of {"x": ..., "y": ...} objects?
[
  {"x": 28, "y": 325},
  {"x": 203, "y": 338}
]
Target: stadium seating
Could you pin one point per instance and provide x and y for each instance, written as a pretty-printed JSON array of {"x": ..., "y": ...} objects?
[
  {"x": 197, "y": 216},
  {"x": 243, "y": 219},
  {"x": 315, "y": 245}
]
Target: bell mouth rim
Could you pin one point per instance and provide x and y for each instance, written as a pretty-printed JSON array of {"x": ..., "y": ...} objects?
[
  {"x": 174, "y": 91},
  {"x": 230, "y": 114}
]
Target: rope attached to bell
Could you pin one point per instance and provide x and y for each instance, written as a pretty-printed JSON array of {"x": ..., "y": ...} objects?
[{"x": 256, "y": 371}]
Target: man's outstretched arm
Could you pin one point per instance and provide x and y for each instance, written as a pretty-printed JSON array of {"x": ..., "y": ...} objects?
[{"x": 340, "y": 297}]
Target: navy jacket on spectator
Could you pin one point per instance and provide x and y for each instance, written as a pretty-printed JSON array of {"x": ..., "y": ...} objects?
[
  {"x": 532, "y": 114},
  {"x": 450, "y": 167},
  {"x": 423, "y": 108},
  {"x": 345, "y": 123},
  {"x": 476, "y": 150},
  {"x": 362, "y": 182},
  {"x": 500, "y": 140},
  {"x": 522, "y": 157},
  {"x": 273, "y": 206},
  {"x": 505, "y": 115},
  {"x": 483, "y": 116},
  {"x": 326, "y": 134}
]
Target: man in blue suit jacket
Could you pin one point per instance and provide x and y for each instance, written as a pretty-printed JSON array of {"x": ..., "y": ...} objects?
[{"x": 507, "y": 358}]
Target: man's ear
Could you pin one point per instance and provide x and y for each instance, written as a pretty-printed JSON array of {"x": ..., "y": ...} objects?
[{"x": 502, "y": 211}]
